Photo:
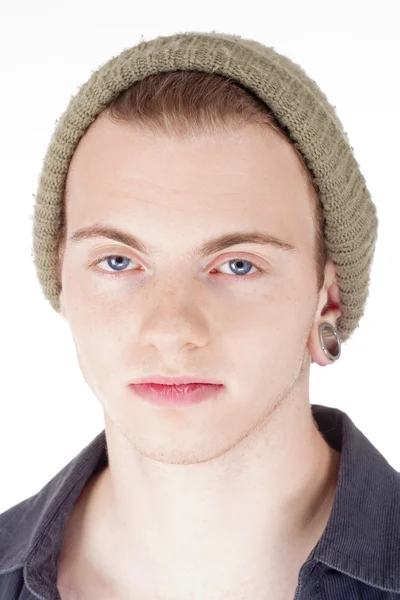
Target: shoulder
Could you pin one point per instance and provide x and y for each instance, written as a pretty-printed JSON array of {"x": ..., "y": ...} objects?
[
  {"x": 17, "y": 525},
  {"x": 16, "y": 529}
]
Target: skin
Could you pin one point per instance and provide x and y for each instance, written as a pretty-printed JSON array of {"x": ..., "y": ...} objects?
[{"x": 228, "y": 496}]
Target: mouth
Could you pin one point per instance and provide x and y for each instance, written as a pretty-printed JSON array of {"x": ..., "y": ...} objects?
[
  {"x": 184, "y": 394},
  {"x": 175, "y": 381}
]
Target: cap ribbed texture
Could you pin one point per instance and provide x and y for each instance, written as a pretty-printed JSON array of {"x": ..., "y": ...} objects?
[{"x": 297, "y": 102}]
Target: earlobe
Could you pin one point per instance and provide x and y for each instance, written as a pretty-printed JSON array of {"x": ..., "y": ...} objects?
[{"x": 324, "y": 344}]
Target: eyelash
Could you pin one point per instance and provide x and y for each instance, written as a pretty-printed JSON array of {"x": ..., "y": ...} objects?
[{"x": 261, "y": 270}]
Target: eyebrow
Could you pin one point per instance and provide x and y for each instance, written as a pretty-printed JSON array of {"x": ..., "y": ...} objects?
[{"x": 209, "y": 247}]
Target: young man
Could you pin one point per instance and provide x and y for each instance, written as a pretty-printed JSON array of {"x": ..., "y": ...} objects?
[{"x": 177, "y": 231}]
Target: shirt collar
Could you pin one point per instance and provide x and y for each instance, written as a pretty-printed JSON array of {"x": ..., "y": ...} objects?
[{"x": 361, "y": 538}]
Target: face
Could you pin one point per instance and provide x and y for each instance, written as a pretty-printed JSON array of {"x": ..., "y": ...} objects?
[{"x": 240, "y": 315}]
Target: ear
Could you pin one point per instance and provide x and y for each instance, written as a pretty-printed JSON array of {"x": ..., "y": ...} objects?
[{"x": 329, "y": 310}]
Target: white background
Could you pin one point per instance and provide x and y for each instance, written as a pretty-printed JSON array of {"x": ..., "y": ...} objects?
[{"x": 48, "y": 49}]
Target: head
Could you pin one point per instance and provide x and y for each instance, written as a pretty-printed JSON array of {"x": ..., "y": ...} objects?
[{"x": 177, "y": 160}]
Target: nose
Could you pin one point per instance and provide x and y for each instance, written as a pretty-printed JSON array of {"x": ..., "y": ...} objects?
[{"x": 175, "y": 321}]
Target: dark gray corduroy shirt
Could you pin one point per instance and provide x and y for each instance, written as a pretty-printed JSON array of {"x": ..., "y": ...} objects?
[{"x": 356, "y": 558}]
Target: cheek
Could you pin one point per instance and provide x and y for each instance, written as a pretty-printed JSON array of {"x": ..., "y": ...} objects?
[
  {"x": 95, "y": 327},
  {"x": 101, "y": 351},
  {"x": 265, "y": 340}
]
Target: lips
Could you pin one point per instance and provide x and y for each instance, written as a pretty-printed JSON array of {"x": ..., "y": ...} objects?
[
  {"x": 176, "y": 395},
  {"x": 184, "y": 388},
  {"x": 161, "y": 379}
]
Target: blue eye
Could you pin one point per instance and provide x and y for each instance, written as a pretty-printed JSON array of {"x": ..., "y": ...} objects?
[
  {"x": 117, "y": 259},
  {"x": 244, "y": 265}
]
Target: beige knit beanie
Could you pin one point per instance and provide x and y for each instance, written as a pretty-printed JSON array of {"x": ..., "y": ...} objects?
[{"x": 350, "y": 229}]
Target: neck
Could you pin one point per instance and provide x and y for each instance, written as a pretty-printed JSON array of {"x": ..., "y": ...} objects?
[{"x": 269, "y": 497}]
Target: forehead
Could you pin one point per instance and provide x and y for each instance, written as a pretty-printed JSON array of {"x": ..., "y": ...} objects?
[{"x": 248, "y": 177}]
